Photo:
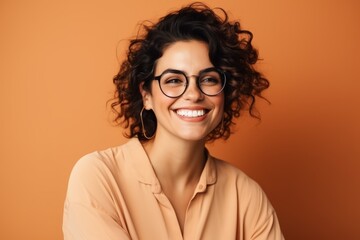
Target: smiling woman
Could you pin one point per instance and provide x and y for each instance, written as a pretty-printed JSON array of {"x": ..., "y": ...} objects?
[
  {"x": 190, "y": 113},
  {"x": 183, "y": 82}
]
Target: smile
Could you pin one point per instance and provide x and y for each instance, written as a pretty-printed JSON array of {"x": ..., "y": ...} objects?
[{"x": 190, "y": 113}]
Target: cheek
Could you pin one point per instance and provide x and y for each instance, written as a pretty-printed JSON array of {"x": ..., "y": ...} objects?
[
  {"x": 219, "y": 102},
  {"x": 159, "y": 102}
]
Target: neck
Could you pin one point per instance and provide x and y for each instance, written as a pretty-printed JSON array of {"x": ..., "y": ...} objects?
[{"x": 180, "y": 163}]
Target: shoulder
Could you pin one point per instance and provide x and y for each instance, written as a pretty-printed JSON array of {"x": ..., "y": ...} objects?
[
  {"x": 103, "y": 161},
  {"x": 95, "y": 162},
  {"x": 248, "y": 191},
  {"x": 254, "y": 208},
  {"x": 109, "y": 166},
  {"x": 89, "y": 176},
  {"x": 97, "y": 173},
  {"x": 229, "y": 173}
]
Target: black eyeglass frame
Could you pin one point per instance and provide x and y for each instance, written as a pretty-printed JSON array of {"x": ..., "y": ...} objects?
[{"x": 218, "y": 70}]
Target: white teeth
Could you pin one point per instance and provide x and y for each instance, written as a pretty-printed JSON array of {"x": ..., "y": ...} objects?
[{"x": 190, "y": 113}]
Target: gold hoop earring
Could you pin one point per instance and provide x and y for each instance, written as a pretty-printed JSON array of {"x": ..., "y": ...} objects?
[{"x": 143, "y": 127}]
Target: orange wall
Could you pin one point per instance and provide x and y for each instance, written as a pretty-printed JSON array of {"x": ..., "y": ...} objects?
[{"x": 57, "y": 59}]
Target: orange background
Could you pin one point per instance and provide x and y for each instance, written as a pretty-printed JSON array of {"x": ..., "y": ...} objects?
[{"x": 57, "y": 60}]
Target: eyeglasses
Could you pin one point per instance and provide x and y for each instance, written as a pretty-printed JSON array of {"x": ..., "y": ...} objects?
[{"x": 173, "y": 83}]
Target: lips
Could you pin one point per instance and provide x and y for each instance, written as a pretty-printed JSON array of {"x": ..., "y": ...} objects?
[{"x": 191, "y": 113}]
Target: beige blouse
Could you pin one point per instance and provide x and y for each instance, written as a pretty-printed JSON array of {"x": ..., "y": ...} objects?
[{"x": 115, "y": 194}]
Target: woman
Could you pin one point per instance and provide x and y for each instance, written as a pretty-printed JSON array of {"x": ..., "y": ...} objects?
[{"x": 181, "y": 85}]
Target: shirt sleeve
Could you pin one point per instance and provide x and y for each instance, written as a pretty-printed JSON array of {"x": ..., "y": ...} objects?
[
  {"x": 261, "y": 219},
  {"x": 89, "y": 210}
]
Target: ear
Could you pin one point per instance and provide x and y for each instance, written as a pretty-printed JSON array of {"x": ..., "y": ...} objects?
[{"x": 146, "y": 97}]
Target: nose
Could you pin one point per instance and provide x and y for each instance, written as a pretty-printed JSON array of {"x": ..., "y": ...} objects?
[{"x": 193, "y": 92}]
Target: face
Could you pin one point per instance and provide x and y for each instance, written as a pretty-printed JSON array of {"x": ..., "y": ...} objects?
[{"x": 193, "y": 115}]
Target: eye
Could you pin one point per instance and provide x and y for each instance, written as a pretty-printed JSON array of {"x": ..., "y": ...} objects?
[
  {"x": 210, "y": 80},
  {"x": 173, "y": 80}
]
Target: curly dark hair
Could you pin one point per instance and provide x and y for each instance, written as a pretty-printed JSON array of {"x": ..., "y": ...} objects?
[{"x": 230, "y": 49}]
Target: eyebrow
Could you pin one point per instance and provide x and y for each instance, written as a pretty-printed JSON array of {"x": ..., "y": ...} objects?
[{"x": 184, "y": 72}]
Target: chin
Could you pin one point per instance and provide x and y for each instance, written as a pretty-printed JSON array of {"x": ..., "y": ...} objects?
[{"x": 193, "y": 136}]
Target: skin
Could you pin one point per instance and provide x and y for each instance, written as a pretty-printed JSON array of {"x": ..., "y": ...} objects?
[{"x": 177, "y": 149}]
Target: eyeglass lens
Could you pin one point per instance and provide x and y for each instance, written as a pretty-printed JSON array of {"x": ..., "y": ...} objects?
[{"x": 173, "y": 83}]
